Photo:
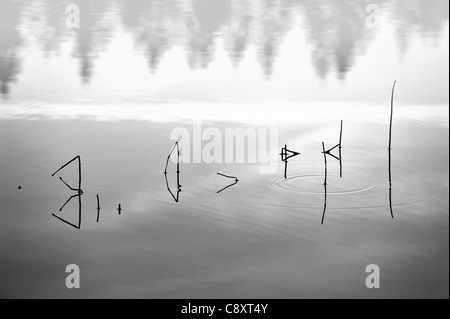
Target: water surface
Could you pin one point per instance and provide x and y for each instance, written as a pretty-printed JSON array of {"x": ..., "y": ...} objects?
[{"x": 113, "y": 92}]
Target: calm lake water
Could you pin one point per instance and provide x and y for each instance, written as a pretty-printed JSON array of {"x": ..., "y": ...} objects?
[{"x": 114, "y": 91}]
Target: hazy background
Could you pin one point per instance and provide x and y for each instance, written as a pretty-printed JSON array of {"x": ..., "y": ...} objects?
[{"x": 113, "y": 91}]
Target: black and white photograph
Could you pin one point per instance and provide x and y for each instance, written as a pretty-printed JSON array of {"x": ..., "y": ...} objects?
[{"x": 224, "y": 151}]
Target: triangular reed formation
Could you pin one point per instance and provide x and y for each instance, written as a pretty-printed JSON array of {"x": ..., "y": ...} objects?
[
  {"x": 286, "y": 155},
  {"x": 236, "y": 180},
  {"x": 79, "y": 192},
  {"x": 338, "y": 146},
  {"x": 178, "y": 191}
]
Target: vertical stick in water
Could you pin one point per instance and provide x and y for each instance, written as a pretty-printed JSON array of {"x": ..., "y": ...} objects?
[
  {"x": 326, "y": 164},
  {"x": 285, "y": 161},
  {"x": 390, "y": 186},
  {"x": 392, "y": 115},
  {"x": 340, "y": 148},
  {"x": 325, "y": 182},
  {"x": 325, "y": 204},
  {"x": 79, "y": 191},
  {"x": 178, "y": 166},
  {"x": 390, "y": 149},
  {"x": 98, "y": 209}
]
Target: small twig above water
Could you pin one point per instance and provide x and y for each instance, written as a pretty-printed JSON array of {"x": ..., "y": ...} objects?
[{"x": 236, "y": 180}]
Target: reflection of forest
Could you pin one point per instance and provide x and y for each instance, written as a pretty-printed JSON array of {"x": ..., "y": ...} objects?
[
  {"x": 10, "y": 41},
  {"x": 336, "y": 29}
]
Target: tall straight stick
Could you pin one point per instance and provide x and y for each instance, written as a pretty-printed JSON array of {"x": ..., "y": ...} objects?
[
  {"x": 326, "y": 164},
  {"x": 324, "y": 205},
  {"x": 392, "y": 115},
  {"x": 98, "y": 208},
  {"x": 340, "y": 148},
  {"x": 285, "y": 161},
  {"x": 390, "y": 149},
  {"x": 390, "y": 186},
  {"x": 178, "y": 171}
]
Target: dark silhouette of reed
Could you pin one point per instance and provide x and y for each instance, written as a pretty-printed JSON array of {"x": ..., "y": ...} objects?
[
  {"x": 231, "y": 185},
  {"x": 390, "y": 149},
  {"x": 338, "y": 146},
  {"x": 98, "y": 208},
  {"x": 390, "y": 186},
  {"x": 79, "y": 192},
  {"x": 120, "y": 209},
  {"x": 325, "y": 203},
  {"x": 328, "y": 153},
  {"x": 392, "y": 115},
  {"x": 177, "y": 196},
  {"x": 287, "y": 154},
  {"x": 326, "y": 164}
]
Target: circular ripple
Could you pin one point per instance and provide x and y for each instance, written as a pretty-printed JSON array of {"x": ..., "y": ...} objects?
[
  {"x": 364, "y": 185},
  {"x": 314, "y": 185}
]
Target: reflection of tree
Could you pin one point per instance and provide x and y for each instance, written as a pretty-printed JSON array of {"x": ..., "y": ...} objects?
[
  {"x": 93, "y": 35},
  {"x": 203, "y": 22},
  {"x": 238, "y": 31},
  {"x": 133, "y": 11},
  {"x": 47, "y": 24},
  {"x": 338, "y": 32},
  {"x": 159, "y": 27},
  {"x": 425, "y": 17},
  {"x": 336, "y": 29},
  {"x": 274, "y": 23},
  {"x": 10, "y": 42}
]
